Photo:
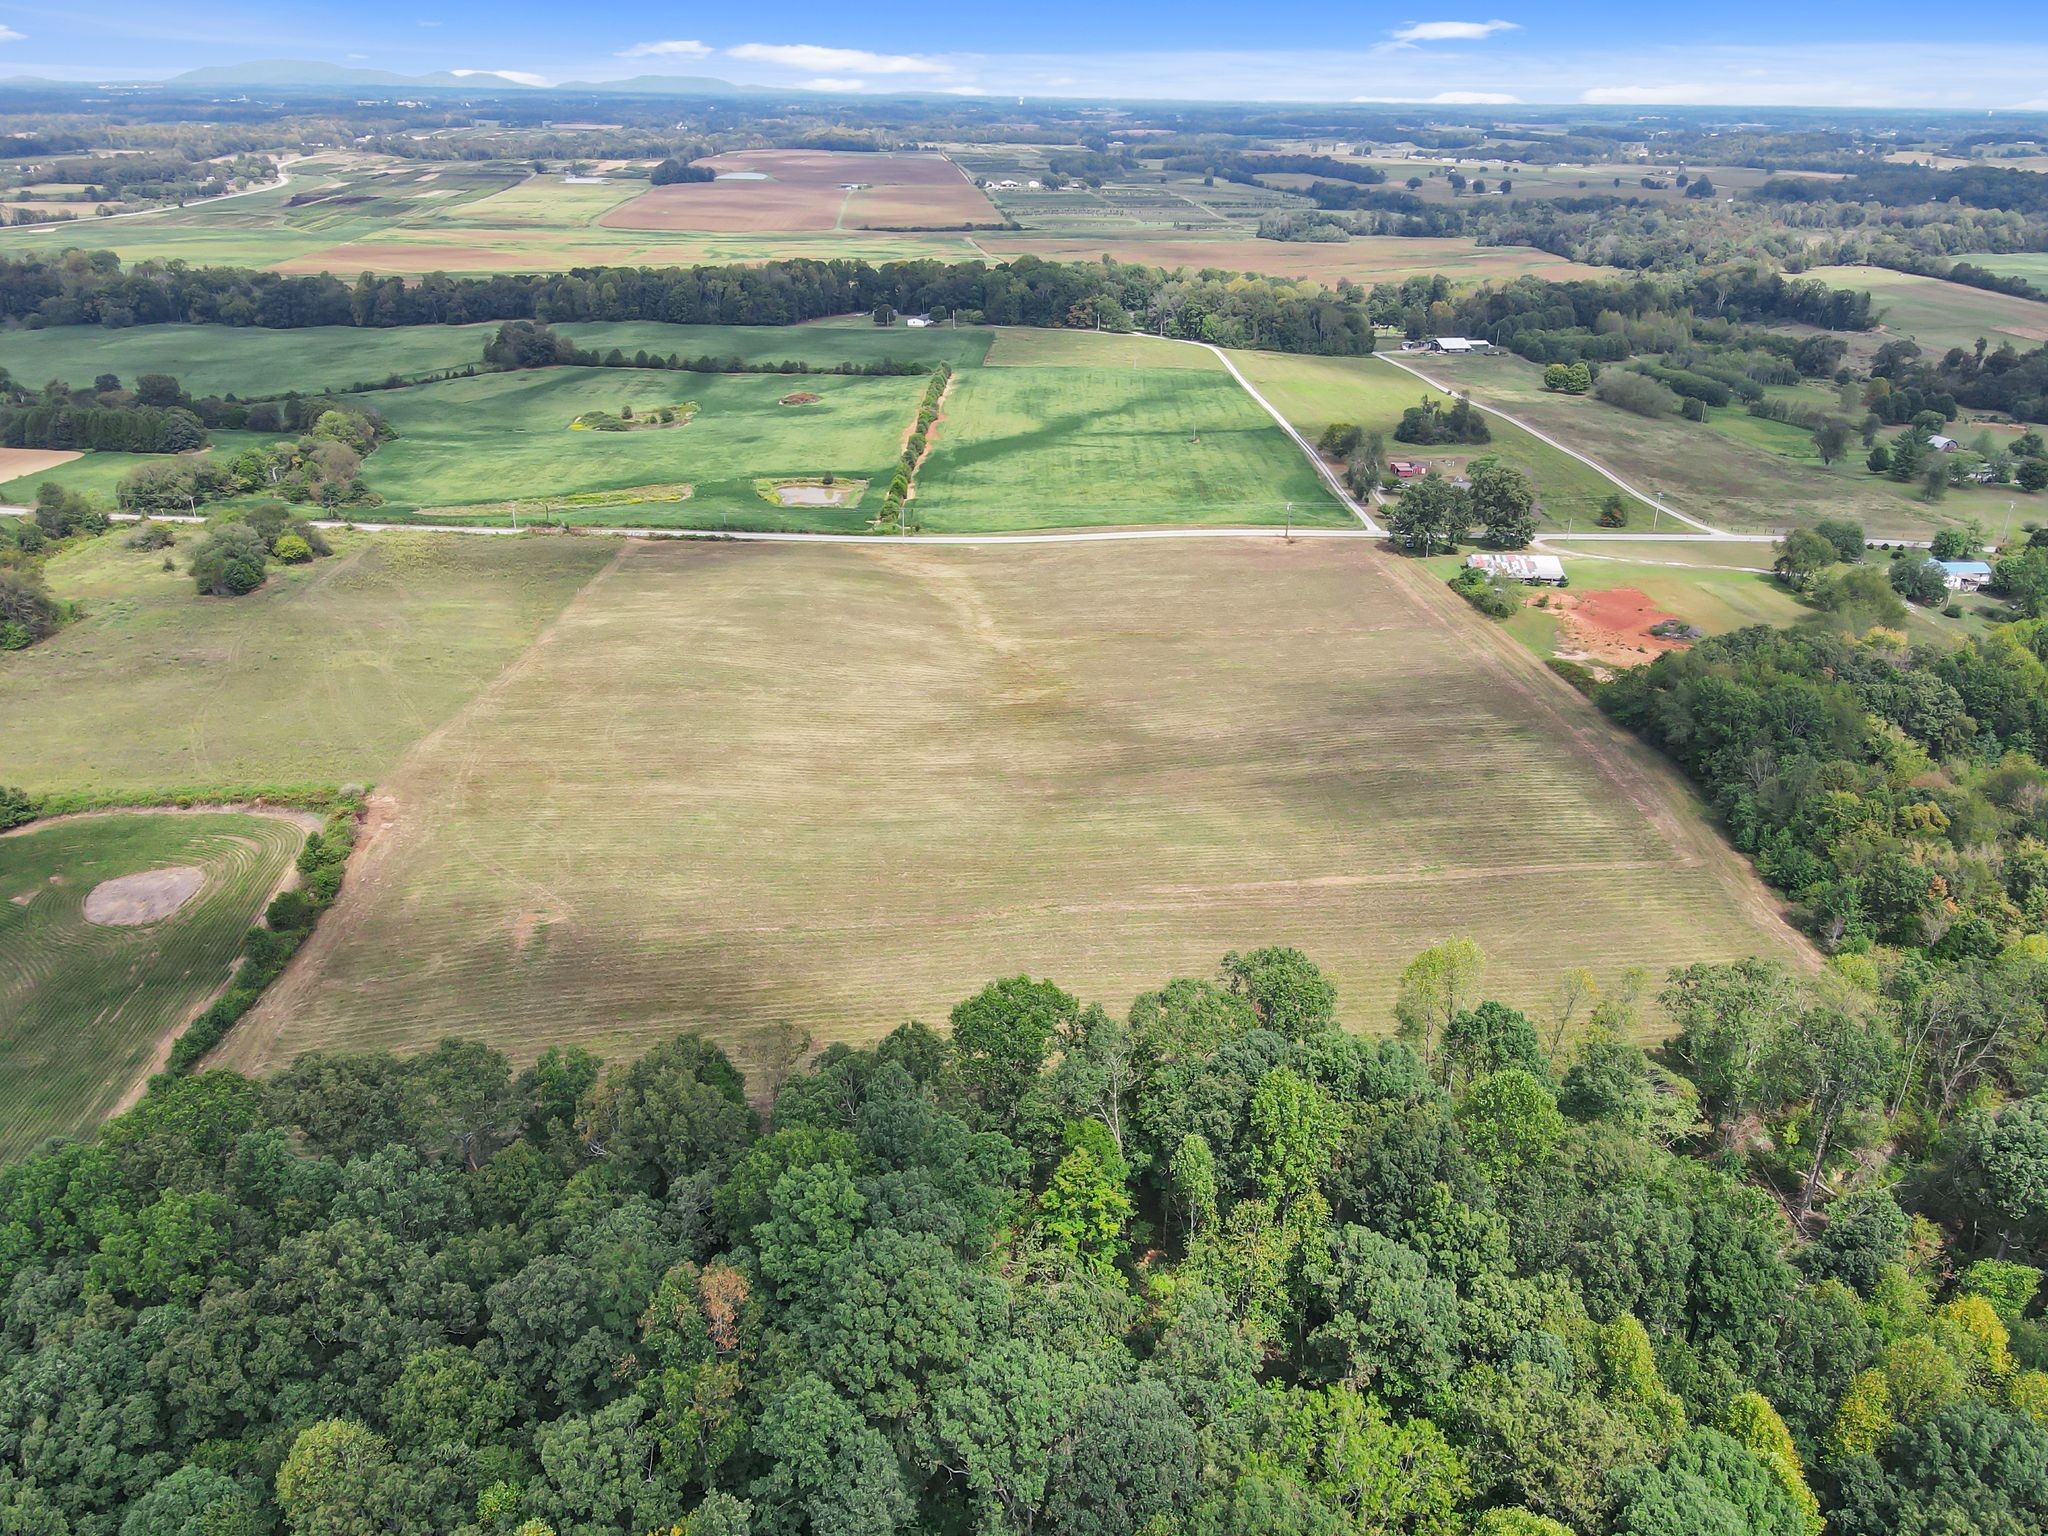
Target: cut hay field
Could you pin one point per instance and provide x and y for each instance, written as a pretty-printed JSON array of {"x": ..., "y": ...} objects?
[
  {"x": 1940, "y": 315},
  {"x": 1312, "y": 392},
  {"x": 763, "y": 190},
  {"x": 475, "y": 440},
  {"x": 87, "y": 1007},
  {"x": 323, "y": 676},
  {"x": 1719, "y": 477},
  {"x": 2032, "y": 265},
  {"x": 1050, "y": 443},
  {"x": 737, "y": 786}
]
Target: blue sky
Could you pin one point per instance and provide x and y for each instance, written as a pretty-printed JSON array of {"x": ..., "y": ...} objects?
[{"x": 1991, "y": 54}]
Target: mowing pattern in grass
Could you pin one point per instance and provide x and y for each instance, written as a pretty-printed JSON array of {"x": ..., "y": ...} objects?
[
  {"x": 465, "y": 441},
  {"x": 1940, "y": 315},
  {"x": 325, "y": 675},
  {"x": 1054, "y": 447},
  {"x": 737, "y": 785},
  {"x": 84, "y": 1007}
]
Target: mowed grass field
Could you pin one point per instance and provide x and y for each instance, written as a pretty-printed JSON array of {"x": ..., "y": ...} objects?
[
  {"x": 1721, "y": 477},
  {"x": 1312, "y": 392},
  {"x": 86, "y": 1008},
  {"x": 1070, "y": 429},
  {"x": 323, "y": 676},
  {"x": 736, "y": 786},
  {"x": 1940, "y": 315},
  {"x": 468, "y": 442}
]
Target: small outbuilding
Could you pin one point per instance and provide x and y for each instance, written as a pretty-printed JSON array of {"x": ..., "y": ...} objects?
[
  {"x": 1964, "y": 575},
  {"x": 1457, "y": 344},
  {"x": 1517, "y": 565},
  {"x": 1942, "y": 444}
]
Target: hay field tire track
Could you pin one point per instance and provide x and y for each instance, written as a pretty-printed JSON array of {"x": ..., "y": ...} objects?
[{"x": 1088, "y": 787}]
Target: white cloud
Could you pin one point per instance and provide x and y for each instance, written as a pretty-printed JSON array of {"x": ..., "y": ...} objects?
[
  {"x": 965, "y": 90},
  {"x": 834, "y": 83},
  {"x": 516, "y": 76},
  {"x": 1647, "y": 95},
  {"x": 1451, "y": 31},
  {"x": 669, "y": 48},
  {"x": 1472, "y": 99},
  {"x": 9, "y": 35},
  {"x": 815, "y": 57}
]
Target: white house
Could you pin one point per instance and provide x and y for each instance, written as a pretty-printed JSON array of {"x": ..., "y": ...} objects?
[
  {"x": 1458, "y": 344},
  {"x": 1964, "y": 575},
  {"x": 1518, "y": 566}
]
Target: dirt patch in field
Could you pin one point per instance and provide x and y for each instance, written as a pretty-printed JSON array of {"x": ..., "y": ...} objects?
[
  {"x": 133, "y": 900},
  {"x": 801, "y": 397},
  {"x": 804, "y": 189},
  {"x": 1612, "y": 627},
  {"x": 16, "y": 462}
]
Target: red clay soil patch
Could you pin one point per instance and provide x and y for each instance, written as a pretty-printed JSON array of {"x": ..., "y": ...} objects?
[
  {"x": 1612, "y": 627},
  {"x": 801, "y": 397}
]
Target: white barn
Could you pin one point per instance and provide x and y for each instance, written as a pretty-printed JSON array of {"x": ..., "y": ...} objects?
[{"x": 1517, "y": 565}]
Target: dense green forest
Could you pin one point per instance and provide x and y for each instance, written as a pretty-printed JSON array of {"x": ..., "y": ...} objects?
[{"x": 1213, "y": 1267}]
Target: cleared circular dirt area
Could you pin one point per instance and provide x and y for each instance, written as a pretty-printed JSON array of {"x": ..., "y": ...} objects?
[
  {"x": 801, "y": 397},
  {"x": 132, "y": 900}
]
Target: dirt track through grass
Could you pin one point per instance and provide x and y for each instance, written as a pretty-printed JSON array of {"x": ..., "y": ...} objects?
[{"x": 731, "y": 786}]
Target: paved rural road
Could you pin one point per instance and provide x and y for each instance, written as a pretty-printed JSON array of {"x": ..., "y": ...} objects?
[
  {"x": 1708, "y": 529},
  {"x": 283, "y": 180},
  {"x": 1084, "y": 536}
]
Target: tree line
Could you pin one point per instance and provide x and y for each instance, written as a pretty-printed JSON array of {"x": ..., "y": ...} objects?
[
  {"x": 87, "y": 288},
  {"x": 1210, "y": 1266}
]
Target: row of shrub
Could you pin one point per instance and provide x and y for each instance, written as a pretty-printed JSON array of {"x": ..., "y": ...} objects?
[
  {"x": 913, "y": 448},
  {"x": 267, "y": 947}
]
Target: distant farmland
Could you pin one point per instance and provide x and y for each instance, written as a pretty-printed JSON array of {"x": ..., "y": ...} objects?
[
  {"x": 810, "y": 189},
  {"x": 737, "y": 786}
]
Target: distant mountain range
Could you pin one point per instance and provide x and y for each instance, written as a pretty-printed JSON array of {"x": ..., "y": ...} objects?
[{"x": 312, "y": 74}]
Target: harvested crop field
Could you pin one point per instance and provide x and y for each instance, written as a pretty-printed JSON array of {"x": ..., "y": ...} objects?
[
  {"x": 808, "y": 189},
  {"x": 16, "y": 462},
  {"x": 733, "y": 786},
  {"x": 1364, "y": 259}
]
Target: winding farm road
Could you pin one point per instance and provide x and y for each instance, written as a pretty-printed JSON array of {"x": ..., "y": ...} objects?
[
  {"x": 283, "y": 180},
  {"x": 1707, "y": 530}
]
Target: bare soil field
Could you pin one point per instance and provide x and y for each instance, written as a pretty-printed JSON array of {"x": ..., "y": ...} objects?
[
  {"x": 731, "y": 787},
  {"x": 1366, "y": 259},
  {"x": 16, "y": 462},
  {"x": 809, "y": 190}
]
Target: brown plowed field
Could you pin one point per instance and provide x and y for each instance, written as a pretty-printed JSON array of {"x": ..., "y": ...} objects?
[{"x": 806, "y": 189}]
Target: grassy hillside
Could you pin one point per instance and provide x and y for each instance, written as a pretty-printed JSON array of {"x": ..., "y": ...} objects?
[
  {"x": 325, "y": 675},
  {"x": 84, "y": 1007}
]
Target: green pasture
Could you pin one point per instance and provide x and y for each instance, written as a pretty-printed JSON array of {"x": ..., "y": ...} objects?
[
  {"x": 86, "y": 1007},
  {"x": 472, "y": 441},
  {"x": 97, "y": 475},
  {"x": 1939, "y": 314},
  {"x": 1050, "y": 447},
  {"x": 1312, "y": 392},
  {"x": 322, "y": 676}
]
